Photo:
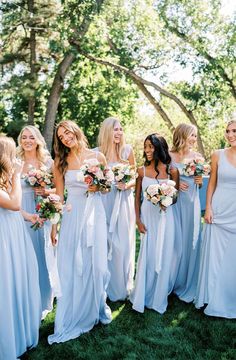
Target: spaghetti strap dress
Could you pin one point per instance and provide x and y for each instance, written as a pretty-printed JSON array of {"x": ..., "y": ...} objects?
[
  {"x": 153, "y": 282},
  {"x": 82, "y": 264}
]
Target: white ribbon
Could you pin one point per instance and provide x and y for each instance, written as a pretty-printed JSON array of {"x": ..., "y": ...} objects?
[
  {"x": 113, "y": 221},
  {"x": 196, "y": 216},
  {"x": 88, "y": 220},
  {"x": 51, "y": 261},
  {"x": 160, "y": 241}
]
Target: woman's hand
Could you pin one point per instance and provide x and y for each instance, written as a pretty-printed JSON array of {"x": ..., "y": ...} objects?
[
  {"x": 208, "y": 217},
  {"x": 198, "y": 180},
  {"x": 93, "y": 188},
  {"x": 33, "y": 218},
  {"x": 141, "y": 227},
  {"x": 121, "y": 186},
  {"x": 183, "y": 186},
  {"x": 54, "y": 235},
  {"x": 40, "y": 191}
]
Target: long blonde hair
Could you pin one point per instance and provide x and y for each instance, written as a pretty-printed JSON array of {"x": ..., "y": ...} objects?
[
  {"x": 41, "y": 150},
  {"x": 180, "y": 135},
  {"x": 7, "y": 155},
  {"x": 61, "y": 151},
  {"x": 105, "y": 138}
]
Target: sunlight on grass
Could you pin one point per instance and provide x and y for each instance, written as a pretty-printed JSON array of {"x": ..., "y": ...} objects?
[
  {"x": 117, "y": 312},
  {"x": 182, "y": 316}
]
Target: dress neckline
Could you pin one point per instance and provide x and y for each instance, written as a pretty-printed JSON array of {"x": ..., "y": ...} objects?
[{"x": 227, "y": 160}]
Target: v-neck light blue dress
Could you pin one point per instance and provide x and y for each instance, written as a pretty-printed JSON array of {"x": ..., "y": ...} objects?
[{"x": 217, "y": 276}]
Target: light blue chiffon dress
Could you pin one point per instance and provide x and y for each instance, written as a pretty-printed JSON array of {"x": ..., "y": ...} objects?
[
  {"x": 187, "y": 213},
  {"x": 154, "y": 277},
  {"x": 40, "y": 240},
  {"x": 120, "y": 215},
  {"x": 20, "y": 305},
  {"x": 82, "y": 264},
  {"x": 217, "y": 276}
]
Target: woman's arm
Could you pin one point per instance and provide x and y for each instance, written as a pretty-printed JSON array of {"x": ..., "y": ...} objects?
[
  {"x": 12, "y": 200},
  {"x": 138, "y": 190},
  {"x": 174, "y": 173},
  {"x": 211, "y": 187}
]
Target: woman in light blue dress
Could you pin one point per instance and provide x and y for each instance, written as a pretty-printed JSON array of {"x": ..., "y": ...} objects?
[
  {"x": 187, "y": 213},
  {"x": 120, "y": 213},
  {"x": 32, "y": 150},
  {"x": 154, "y": 277},
  {"x": 217, "y": 276},
  {"x": 20, "y": 306},
  {"x": 82, "y": 244}
]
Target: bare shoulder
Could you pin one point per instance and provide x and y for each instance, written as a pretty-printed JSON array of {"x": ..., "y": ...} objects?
[
  {"x": 3, "y": 195},
  {"x": 140, "y": 171},
  {"x": 215, "y": 155},
  {"x": 100, "y": 156},
  {"x": 173, "y": 155},
  {"x": 173, "y": 171}
]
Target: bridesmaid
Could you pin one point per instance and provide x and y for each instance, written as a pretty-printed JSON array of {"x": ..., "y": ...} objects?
[
  {"x": 119, "y": 207},
  {"x": 153, "y": 284},
  {"x": 187, "y": 211},
  {"x": 216, "y": 283},
  {"x": 32, "y": 150},
  {"x": 82, "y": 245},
  {"x": 20, "y": 307}
]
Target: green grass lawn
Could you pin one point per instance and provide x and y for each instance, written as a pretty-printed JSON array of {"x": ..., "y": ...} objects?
[{"x": 181, "y": 333}]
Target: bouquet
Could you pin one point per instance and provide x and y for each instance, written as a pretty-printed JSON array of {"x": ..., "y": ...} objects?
[
  {"x": 164, "y": 194},
  {"x": 38, "y": 177},
  {"x": 94, "y": 173},
  {"x": 124, "y": 173},
  {"x": 195, "y": 167},
  {"x": 49, "y": 208}
]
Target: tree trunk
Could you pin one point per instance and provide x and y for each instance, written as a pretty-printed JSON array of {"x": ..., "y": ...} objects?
[
  {"x": 156, "y": 105},
  {"x": 57, "y": 86},
  {"x": 54, "y": 97},
  {"x": 33, "y": 72}
]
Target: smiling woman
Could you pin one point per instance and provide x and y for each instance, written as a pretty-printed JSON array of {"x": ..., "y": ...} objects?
[
  {"x": 32, "y": 150},
  {"x": 82, "y": 244},
  {"x": 216, "y": 285}
]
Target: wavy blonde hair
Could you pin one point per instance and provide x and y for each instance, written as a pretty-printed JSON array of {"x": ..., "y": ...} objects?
[
  {"x": 7, "y": 155},
  {"x": 105, "y": 138},
  {"x": 41, "y": 150},
  {"x": 232, "y": 120},
  {"x": 61, "y": 151},
  {"x": 180, "y": 135}
]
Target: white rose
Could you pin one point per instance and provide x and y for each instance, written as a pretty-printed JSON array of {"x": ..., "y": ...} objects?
[
  {"x": 55, "y": 219},
  {"x": 32, "y": 180},
  {"x": 154, "y": 200},
  {"x": 167, "y": 201},
  {"x": 153, "y": 189},
  {"x": 171, "y": 183}
]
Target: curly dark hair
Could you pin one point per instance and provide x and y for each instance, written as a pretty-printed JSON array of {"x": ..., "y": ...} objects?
[{"x": 161, "y": 152}]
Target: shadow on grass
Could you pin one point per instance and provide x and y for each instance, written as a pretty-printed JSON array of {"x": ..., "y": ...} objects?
[{"x": 181, "y": 333}]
